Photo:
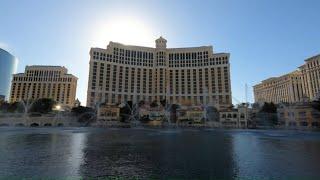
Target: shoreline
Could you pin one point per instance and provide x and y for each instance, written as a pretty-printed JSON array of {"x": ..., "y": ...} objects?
[{"x": 144, "y": 126}]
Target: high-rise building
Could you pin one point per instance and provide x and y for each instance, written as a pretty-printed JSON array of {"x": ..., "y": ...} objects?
[
  {"x": 286, "y": 88},
  {"x": 44, "y": 82},
  {"x": 293, "y": 87},
  {"x": 194, "y": 75},
  {"x": 8, "y": 66},
  {"x": 311, "y": 77}
]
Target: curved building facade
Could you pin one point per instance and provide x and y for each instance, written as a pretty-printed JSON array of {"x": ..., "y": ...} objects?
[
  {"x": 192, "y": 75},
  {"x": 8, "y": 66}
]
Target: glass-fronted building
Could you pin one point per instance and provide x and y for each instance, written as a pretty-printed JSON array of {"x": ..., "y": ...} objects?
[{"x": 8, "y": 66}]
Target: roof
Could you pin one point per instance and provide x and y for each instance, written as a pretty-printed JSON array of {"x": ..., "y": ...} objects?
[
  {"x": 45, "y": 66},
  {"x": 5, "y": 51},
  {"x": 312, "y": 58},
  {"x": 161, "y": 39},
  {"x": 111, "y": 43}
]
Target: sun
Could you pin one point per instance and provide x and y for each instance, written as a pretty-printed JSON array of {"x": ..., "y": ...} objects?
[{"x": 126, "y": 30}]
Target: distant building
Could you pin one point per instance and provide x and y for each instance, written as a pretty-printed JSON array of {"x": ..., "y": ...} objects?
[
  {"x": 299, "y": 115},
  {"x": 108, "y": 113},
  {"x": 235, "y": 118},
  {"x": 194, "y": 114},
  {"x": 52, "y": 82},
  {"x": 286, "y": 88},
  {"x": 311, "y": 77},
  {"x": 122, "y": 73},
  {"x": 8, "y": 66},
  {"x": 292, "y": 87},
  {"x": 152, "y": 113}
]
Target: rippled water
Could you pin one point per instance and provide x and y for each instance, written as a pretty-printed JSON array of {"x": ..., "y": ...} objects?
[{"x": 158, "y": 153}]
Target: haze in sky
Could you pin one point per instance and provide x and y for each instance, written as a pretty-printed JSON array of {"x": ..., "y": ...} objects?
[{"x": 265, "y": 37}]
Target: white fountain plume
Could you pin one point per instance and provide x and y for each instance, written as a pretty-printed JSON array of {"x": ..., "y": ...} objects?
[
  {"x": 167, "y": 108},
  {"x": 205, "y": 104},
  {"x": 27, "y": 104}
]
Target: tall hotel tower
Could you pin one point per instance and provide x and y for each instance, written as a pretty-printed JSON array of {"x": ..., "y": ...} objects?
[{"x": 192, "y": 75}]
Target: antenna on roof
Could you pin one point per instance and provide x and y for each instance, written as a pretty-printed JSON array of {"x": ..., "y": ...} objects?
[{"x": 246, "y": 92}]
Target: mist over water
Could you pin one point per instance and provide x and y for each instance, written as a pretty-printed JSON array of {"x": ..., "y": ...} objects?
[{"x": 158, "y": 153}]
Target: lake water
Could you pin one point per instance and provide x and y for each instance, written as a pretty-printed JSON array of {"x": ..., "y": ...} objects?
[{"x": 158, "y": 153}]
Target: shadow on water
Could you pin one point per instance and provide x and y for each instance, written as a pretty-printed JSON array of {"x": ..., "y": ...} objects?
[{"x": 145, "y": 154}]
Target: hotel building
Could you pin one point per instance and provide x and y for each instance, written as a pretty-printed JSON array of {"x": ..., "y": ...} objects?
[
  {"x": 44, "y": 82},
  {"x": 311, "y": 77},
  {"x": 123, "y": 73},
  {"x": 8, "y": 66},
  {"x": 293, "y": 87},
  {"x": 286, "y": 88}
]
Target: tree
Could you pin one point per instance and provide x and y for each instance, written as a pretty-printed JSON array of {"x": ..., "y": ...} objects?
[
  {"x": 154, "y": 104},
  {"x": 14, "y": 107},
  {"x": 231, "y": 106},
  {"x": 141, "y": 103},
  {"x": 316, "y": 105},
  {"x": 84, "y": 114},
  {"x": 173, "y": 110},
  {"x": 4, "y": 106},
  {"x": 163, "y": 102},
  {"x": 268, "y": 114},
  {"x": 212, "y": 113},
  {"x": 130, "y": 104},
  {"x": 269, "y": 108},
  {"x": 43, "y": 105},
  {"x": 125, "y": 113},
  {"x": 81, "y": 110}
]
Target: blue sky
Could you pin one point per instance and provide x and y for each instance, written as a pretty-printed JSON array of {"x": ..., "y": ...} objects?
[{"x": 265, "y": 37}]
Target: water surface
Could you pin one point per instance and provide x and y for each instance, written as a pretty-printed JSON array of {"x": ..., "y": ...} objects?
[{"x": 158, "y": 153}]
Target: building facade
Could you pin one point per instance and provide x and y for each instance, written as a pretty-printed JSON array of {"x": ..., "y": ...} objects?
[
  {"x": 44, "y": 82},
  {"x": 235, "y": 118},
  {"x": 132, "y": 73},
  {"x": 286, "y": 88},
  {"x": 8, "y": 66},
  {"x": 292, "y": 87},
  {"x": 311, "y": 77},
  {"x": 108, "y": 113},
  {"x": 299, "y": 115},
  {"x": 191, "y": 114}
]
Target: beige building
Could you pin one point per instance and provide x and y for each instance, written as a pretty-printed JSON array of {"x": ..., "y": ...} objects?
[
  {"x": 292, "y": 87},
  {"x": 299, "y": 115},
  {"x": 194, "y": 114},
  {"x": 235, "y": 118},
  {"x": 44, "y": 82},
  {"x": 133, "y": 73},
  {"x": 108, "y": 113},
  {"x": 311, "y": 77},
  {"x": 286, "y": 88}
]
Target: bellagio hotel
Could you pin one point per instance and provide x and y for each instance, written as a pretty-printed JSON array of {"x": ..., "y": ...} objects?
[
  {"x": 52, "y": 82},
  {"x": 194, "y": 75}
]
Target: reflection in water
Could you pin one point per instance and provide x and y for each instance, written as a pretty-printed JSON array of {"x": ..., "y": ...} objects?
[
  {"x": 40, "y": 153},
  {"x": 146, "y": 154},
  {"x": 158, "y": 154},
  {"x": 76, "y": 157},
  {"x": 277, "y": 156}
]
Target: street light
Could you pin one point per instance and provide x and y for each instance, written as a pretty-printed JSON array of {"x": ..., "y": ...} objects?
[{"x": 58, "y": 107}]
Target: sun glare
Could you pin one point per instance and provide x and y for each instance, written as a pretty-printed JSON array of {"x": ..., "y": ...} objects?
[{"x": 123, "y": 30}]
